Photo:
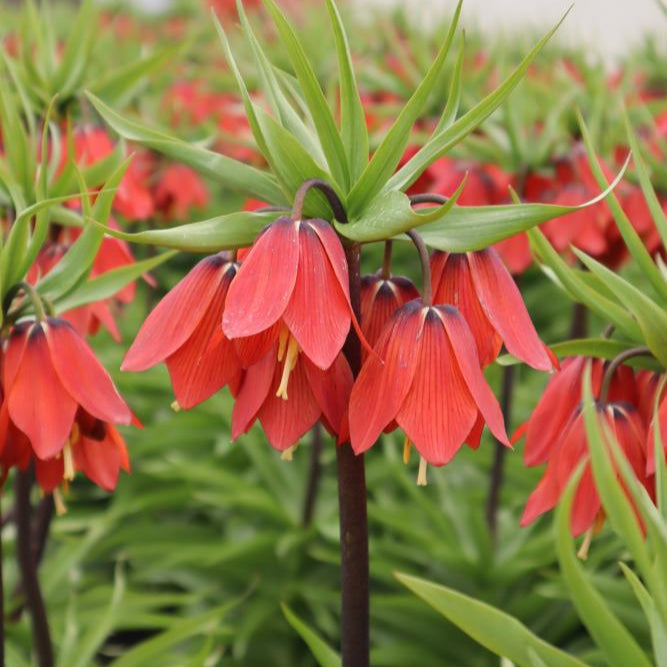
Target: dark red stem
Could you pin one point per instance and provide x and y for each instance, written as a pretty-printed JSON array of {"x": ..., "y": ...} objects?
[
  {"x": 28, "y": 570},
  {"x": 355, "y": 616}
]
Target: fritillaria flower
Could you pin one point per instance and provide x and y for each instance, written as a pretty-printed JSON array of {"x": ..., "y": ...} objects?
[
  {"x": 479, "y": 285},
  {"x": 292, "y": 288},
  {"x": 287, "y": 413},
  {"x": 380, "y": 299},
  {"x": 184, "y": 331},
  {"x": 426, "y": 376},
  {"x": 571, "y": 451},
  {"x": 60, "y": 407}
]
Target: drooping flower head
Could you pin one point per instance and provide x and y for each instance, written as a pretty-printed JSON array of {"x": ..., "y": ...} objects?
[
  {"x": 427, "y": 377},
  {"x": 479, "y": 285},
  {"x": 59, "y": 404},
  {"x": 292, "y": 286},
  {"x": 184, "y": 330}
]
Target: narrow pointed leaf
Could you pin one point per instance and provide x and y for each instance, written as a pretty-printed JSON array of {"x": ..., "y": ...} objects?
[
  {"x": 497, "y": 631},
  {"x": 388, "y": 155},
  {"x": 322, "y": 652},
  {"x": 441, "y": 143},
  {"x": 230, "y": 173},
  {"x": 352, "y": 118},
  {"x": 618, "y": 645},
  {"x": 224, "y": 232},
  {"x": 320, "y": 112}
]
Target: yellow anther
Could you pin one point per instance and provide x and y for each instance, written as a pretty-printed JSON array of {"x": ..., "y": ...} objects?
[
  {"x": 421, "y": 475},
  {"x": 290, "y": 363},
  {"x": 582, "y": 554},
  {"x": 288, "y": 454},
  {"x": 176, "y": 406},
  {"x": 407, "y": 447},
  {"x": 59, "y": 503},
  {"x": 68, "y": 462},
  {"x": 75, "y": 434},
  {"x": 283, "y": 337}
]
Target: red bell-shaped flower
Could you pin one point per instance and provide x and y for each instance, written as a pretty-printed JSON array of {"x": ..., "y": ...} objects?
[
  {"x": 184, "y": 331},
  {"x": 294, "y": 277},
  {"x": 286, "y": 413},
  {"x": 426, "y": 375},
  {"x": 479, "y": 285},
  {"x": 49, "y": 373}
]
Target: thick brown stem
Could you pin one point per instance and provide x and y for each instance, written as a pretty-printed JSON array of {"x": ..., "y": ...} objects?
[
  {"x": 355, "y": 616},
  {"x": 28, "y": 570},
  {"x": 498, "y": 469}
]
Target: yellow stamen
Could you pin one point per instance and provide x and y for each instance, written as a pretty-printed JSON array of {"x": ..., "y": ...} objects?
[
  {"x": 585, "y": 545},
  {"x": 283, "y": 337},
  {"x": 68, "y": 462},
  {"x": 407, "y": 447},
  {"x": 59, "y": 503},
  {"x": 75, "y": 434},
  {"x": 176, "y": 406},
  {"x": 421, "y": 475},
  {"x": 288, "y": 454},
  {"x": 290, "y": 363}
]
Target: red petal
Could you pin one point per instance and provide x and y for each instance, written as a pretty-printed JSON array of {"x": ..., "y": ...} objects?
[
  {"x": 83, "y": 376},
  {"x": 14, "y": 354},
  {"x": 254, "y": 389},
  {"x": 454, "y": 286},
  {"x": 468, "y": 363},
  {"x": 38, "y": 403},
  {"x": 438, "y": 411},
  {"x": 207, "y": 361},
  {"x": 265, "y": 282},
  {"x": 553, "y": 411},
  {"x": 318, "y": 314},
  {"x": 174, "y": 319},
  {"x": 49, "y": 474},
  {"x": 331, "y": 389},
  {"x": 101, "y": 461},
  {"x": 252, "y": 349},
  {"x": 285, "y": 421},
  {"x": 381, "y": 386},
  {"x": 503, "y": 305},
  {"x": 474, "y": 437}
]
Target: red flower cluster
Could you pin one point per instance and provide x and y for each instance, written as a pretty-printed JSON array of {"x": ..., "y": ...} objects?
[
  {"x": 66, "y": 420},
  {"x": 555, "y": 435},
  {"x": 272, "y": 328}
]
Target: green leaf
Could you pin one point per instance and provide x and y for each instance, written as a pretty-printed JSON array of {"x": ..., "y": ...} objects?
[
  {"x": 618, "y": 508},
  {"x": 441, "y": 143},
  {"x": 287, "y": 115},
  {"x": 322, "y": 652},
  {"x": 391, "y": 214},
  {"x": 323, "y": 119},
  {"x": 633, "y": 242},
  {"x": 352, "y": 118},
  {"x": 603, "y": 348},
  {"x": 78, "y": 260},
  {"x": 230, "y": 173},
  {"x": 580, "y": 291},
  {"x": 224, "y": 232},
  {"x": 659, "y": 216},
  {"x": 156, "y": 649},
  {"x": 617, "y": 644},
  {"x": 109, "y": 283},
  {"x": 388, "y": 155},
  {"x": 652, "y": 319},
  {"x": 454, "y": 97},
  {"x": 467, "y": 228},
  {"x": 497, "y": 631}
]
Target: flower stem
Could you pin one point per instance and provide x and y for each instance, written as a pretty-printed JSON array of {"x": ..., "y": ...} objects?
[
  {"x": 355, "y": 615},
  {"x": 329, "y": 193},
  {"x": 642, "y": 351},
  {"x": 426, "y": 265},
  {"x": 428, "y": 198},
  {"x": 28, "y": 569},
  {"x": 386, "y": 262},
  {"x": 498, "y": 469},
  {"x": 313, "y": 476}
]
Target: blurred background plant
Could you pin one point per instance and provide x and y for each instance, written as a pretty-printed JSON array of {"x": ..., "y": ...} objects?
[{"x": 191, "y": 558}]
